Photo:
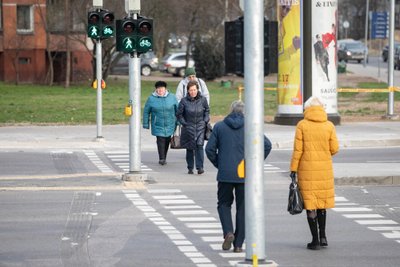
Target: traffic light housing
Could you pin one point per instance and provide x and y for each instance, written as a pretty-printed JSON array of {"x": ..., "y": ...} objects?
[
  {"x": 126, "y": 39},
  {"x": 94, "y": 24},
  {"x": 107, "y": 24},
  {"x": 145, "y": 35},
  {"x": 134, "y": 35},
  {"x": 100, "y": 24},
  {"x": 234, "y": 47}
]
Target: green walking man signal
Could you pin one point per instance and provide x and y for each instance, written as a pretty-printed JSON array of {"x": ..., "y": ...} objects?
[{"x": 134, "y": 35}]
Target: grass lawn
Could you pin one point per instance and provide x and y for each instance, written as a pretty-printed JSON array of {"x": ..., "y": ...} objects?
[{"x": 40, "y": 104}]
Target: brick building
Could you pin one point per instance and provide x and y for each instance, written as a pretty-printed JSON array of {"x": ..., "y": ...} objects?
[{"x": 25, "y": 43}]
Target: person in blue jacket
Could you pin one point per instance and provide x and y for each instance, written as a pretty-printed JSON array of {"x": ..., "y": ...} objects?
[
  {"x": 193, "y": 114},
  {"x": 160, "y": 109},
  {"x": 225, "y": 150}
]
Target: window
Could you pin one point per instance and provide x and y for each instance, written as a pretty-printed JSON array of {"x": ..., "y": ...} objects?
[
  {"x": 24, "y": 19},
  {"x": 24, "y": 60}
]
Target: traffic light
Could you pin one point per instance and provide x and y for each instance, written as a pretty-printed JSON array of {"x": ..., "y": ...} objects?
[
  {"x": 145, "y": 35},
  {"x": 134, "y": 35},
  {"x": 94, "y": 24},
  {"x": 107, "y": 23},
  {"x": 100, "y": 24},
  {"x": 126, "y": 39},
  {"x": 234, "y": 47}
]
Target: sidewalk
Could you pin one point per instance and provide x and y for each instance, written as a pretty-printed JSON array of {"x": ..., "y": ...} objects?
[{"x": 78, "y": 138}]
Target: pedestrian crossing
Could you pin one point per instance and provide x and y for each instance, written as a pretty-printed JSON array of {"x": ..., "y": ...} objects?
[
  {"x": 193, "y": 217},
  {"x": 121, "y": 160},
  {"x": 208, "y": 228},
  {"x": 367, "y": 217}
]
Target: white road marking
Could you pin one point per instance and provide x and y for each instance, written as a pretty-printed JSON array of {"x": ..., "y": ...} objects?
[
  {"x": 174, "y": 235},
  {"x": 384, "y": 222},
  {"x": 359, "y": 216},
  {"x": 352, "y": 209},
  {"x": 92, "y": 156}
]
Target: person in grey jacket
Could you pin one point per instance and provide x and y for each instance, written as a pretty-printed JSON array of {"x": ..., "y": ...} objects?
[
  {"x": 193, "y": 114},
  {"x": 225, "y": 150},
  {"x": 160, "y": 109},
  {"x": 190, "y": 75}
]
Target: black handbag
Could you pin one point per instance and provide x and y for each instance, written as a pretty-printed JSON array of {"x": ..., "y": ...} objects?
[
  {"x": 208, "y": 131},
  {"x": 295, "y": 202},
  {"x": 176, "y": 139}
]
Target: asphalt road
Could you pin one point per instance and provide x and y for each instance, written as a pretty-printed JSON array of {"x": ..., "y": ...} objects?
[{"x": 62, "y": 209}]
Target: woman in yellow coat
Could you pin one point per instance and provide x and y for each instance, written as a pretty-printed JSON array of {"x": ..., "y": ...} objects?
[{"x": 315, "y": 143}]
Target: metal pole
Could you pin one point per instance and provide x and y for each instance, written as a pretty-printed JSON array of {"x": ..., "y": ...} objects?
[
  {"x": 134, "y": 120},
  {"x": 366, "y": 33},
  {"x": 390, "y": 108},
  {"x": 99, "y": 113},
  {"x": 254, "y": 127}
]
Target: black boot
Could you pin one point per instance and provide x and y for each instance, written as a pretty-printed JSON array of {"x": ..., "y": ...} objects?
[
  {"x": 314, "y": 245},
  {"x": 321, "y": 215}
]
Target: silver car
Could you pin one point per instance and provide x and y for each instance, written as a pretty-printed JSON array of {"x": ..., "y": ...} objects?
[
  {"x": 148, "y": 64},
  {"x": 175, "y": 63}
]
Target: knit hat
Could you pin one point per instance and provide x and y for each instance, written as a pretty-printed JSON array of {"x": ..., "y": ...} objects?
[{"x": 190, "y": 71}]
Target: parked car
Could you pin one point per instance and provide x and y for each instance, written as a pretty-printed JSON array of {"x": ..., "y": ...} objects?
[
  {"x": 385, "y": 51},
  {"x": 175, "y": 63},
  {"x": 148, "y": 64},
  {"x": 351, "y": 50}
]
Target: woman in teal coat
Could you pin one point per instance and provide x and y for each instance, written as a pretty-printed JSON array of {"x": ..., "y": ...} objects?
[{"x": 160, "y": 109}]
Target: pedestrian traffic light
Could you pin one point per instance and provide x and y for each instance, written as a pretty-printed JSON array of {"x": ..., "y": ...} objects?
[
  {"x": 126, "y": 39},
  {"x": 134, "y": 35},
  {"x": 100, "y": 24},
  {"x": 94, "y": 24}
]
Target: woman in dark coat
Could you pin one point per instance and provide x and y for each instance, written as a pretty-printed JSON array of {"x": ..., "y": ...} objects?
[{"x": 193, "y": 114}]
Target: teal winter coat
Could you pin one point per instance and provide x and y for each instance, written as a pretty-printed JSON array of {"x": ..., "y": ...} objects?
[{"x": 160, "y": 110}]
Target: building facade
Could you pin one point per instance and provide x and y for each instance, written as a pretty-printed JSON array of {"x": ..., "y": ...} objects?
[{"x": 27, "y": 41}]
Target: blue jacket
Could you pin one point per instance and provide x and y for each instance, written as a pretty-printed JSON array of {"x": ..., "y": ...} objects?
[
  {"x": 225, "y": 148},
  {"x": 161, "y": 111}
]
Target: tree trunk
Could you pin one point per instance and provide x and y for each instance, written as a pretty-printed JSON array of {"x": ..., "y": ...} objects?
[{"x": 67, "y": 48}]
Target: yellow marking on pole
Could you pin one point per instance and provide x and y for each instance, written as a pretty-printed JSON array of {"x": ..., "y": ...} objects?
[{"x": 255, "y": 258}]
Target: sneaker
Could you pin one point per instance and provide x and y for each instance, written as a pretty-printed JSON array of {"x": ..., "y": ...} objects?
[
  {"x": 237, "y": 250},
  {"x": 200, "y": 171},
  {"x": 190, "y": 171},
  {"x": 228, "y": 241},
  {"x": 162, "y": 162}
]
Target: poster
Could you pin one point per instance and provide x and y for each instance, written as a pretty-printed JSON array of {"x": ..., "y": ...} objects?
[
  {"x": 324, "y": 56},
  {"x": 290, "y": 99}
]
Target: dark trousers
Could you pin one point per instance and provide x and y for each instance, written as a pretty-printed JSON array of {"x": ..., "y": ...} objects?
[
  {"x": 162, "y": 146},
  {"x": 225, "y": 201},
  {"x": 197, "y": 154}
]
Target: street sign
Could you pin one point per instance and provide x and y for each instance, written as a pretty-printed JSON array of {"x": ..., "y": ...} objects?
[{"x": 379, "y": 25}]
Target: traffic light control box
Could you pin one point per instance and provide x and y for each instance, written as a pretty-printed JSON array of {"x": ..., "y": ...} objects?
[{"x": 134, "y": 35}]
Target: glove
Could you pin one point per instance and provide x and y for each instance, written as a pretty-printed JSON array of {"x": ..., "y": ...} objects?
[{"x": 293, "y": 176}]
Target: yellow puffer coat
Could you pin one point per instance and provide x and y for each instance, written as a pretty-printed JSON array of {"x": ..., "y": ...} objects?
[{"x": 315, "y": 143}]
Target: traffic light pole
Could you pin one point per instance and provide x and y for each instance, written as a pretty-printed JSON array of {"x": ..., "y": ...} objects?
[
  {"x": 99, "y": 112},
  {"x": 134, "y": 120},
  {"x": 390, "y": 108},
  {"x": 254, "y": 137}
]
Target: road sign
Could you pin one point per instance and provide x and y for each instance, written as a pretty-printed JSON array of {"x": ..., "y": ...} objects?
[{"x": 379, "y": 25}]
